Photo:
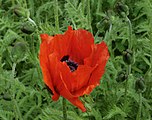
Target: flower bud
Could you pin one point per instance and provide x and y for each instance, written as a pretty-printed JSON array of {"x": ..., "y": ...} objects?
[
  {"x": 21, "y": 12},
  {"x": 18, "y": 51},
  {"x": 7, "y": 96},
  {"x": 128, "y": 56},
  {"x": 103, "y": 25},
  {"x": 140, "y": 85},
  {"x": 122, "y": 76},
  {"x": 122, "y": 9},
  {"x": 28, "y": 27}
]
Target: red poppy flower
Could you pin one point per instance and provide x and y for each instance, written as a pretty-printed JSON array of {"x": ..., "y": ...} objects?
[{"x": 72, "y": 65}]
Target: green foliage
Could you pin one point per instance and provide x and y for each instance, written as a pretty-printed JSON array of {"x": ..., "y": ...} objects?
[{"x": 23, "y": 95}]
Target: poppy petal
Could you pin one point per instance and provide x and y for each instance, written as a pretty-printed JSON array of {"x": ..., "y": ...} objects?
[
  {"x": 57, "y": 73},
  {"x": 83, "y": 81},
  {"x": 100, "y": 60},
  {"x": 81, "y": 45},
  {"x": 102, "y": 54},
  {"x": 44, "y": 63},
  {"x": 46, "y": 38},
  {"x": 82, "y": 76},
  {"x": 77, "y": 74},
  {"x": 66, "y": 94},
  {"x": 67, "y": 86},
  {"x": 86, "y": 90},
  {"x": 78, "y": 103},
  {"x": 62, "y": 43},
  {"x": 67, "y": 76},
  {"x": 64, "y": 91},
  {"x": 54, "y": 71},
  {"x": 99, "y": 54}
]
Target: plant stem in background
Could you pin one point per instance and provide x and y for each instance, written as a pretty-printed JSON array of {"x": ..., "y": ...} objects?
[
  {"x": 89, "y": 15},
  {"x": 32, "y": 46},
  {"x": 25, "y": 3},
  {"x": 64, "y": 109},
  {"x": 107, "y": 35},
  {"x": 126, "y": 84},
  {"x": 107, "y": 38},
  {"x": 140, "y": 107},
  {"x": 99, "y": 7},
  {"x": 0, "y": 63},
  {"x": 130, "y": 33},
  {"x": 13, "y": 3},
  {"x": 17, "y": 111},
  {"x": 83, "y": 6},
  {"x": 56, "y": 16},
  {"x": 128, "y": 70},
  {"x": 13, "y": 69}
]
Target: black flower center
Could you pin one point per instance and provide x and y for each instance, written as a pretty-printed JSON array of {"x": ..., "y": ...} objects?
[{"x": 72, "y": 65}]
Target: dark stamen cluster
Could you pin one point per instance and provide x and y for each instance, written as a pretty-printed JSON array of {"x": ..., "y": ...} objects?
[{"x": 72, "y": 65}]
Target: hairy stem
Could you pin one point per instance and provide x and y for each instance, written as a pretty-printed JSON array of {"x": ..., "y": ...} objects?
[
  {"x": 126, "y": 84},
  {"x": 83, "y": 6},
  {"x": 56, "y": 15},
  {"x": 13, "y": 3},
  {"x": 64, "y": 109},
  {"x": 89, "y": 15},
  {"x": 128, "y": 70},
  {"x": 13, "y": 70},
  {"x": 130, "y": 33},
  {"x": 129, "y": 47},
  {"x": 1, "y": 63},
  {"x": 17, "y": 110},
  {"x": 140, "y": 107}
]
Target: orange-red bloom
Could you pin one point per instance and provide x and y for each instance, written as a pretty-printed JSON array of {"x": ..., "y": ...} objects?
[{"x": 72, "y": 65}]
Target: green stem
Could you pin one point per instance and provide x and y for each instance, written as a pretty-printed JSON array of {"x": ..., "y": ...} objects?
[
  {"x": 99, "y": 5},
  {"x": 126, "y": 83},
  {"x": 13, "y": 70},
  {"x": 89, "y": 15},
  {"x": 129, "y": 47},
  {"x": 13, "y": 3},
  {"x": 17, "y": 111},
  {"x": 83, "y": 6},
  {"x": 32, "y": 46},
  {"x": 64, "y": 109},
  {"x": 1, "y": 64},
  {"x": 29, "y": 19},
  {"x": 24, "y": 3},
  {"x": 140, "y": 107},
  {"x": 107, "y": 36},
  {"x": 129, "y": 66},
  {"x": 130, "y": 33},
  {"x": 56, "y": 15}
]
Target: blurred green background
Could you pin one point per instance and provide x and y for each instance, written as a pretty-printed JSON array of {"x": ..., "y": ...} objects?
[{"x": 125, "y": 92}]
